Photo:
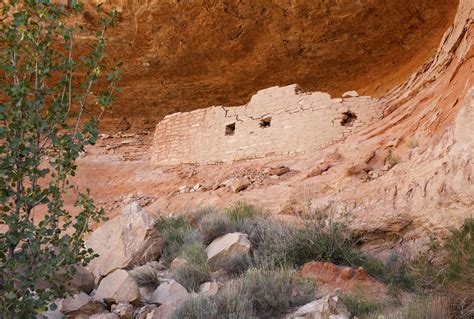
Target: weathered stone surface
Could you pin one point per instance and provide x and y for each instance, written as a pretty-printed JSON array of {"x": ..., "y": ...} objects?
[
  {"x": 117, "y": 287},
  {"x": 227, "y": 246},
  {"x": 328, "y": 307},
  {"x": 239, "y": 184},
  {"x": 83, "y": 279},
  {"x": 80, "y": 304},
  {"x": 123, "y": 310},
  {"x": 129, "y": 239},
  {"x": 170, "y": 292}
]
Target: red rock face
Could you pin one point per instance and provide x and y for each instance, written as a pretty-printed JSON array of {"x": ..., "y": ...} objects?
[
  {"x": 184, "y": 55},
  {"x": 329, "y": 276}
]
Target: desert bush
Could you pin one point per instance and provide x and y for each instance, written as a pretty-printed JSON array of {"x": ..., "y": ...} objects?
[
  {"x": 147, "y": 275},
  {"x": 359, "y": 304},
  {"x": 197, "y": 308},
  {"x": 176, "y": 232},
  {"x": 235, "y": 265},
  {"x": 269, "y": 292},
  {"x": 319, "y": 242},
  {"x": 196, "y": 270},
  {"x": 422, "y": 307},
  {"x": 48, "y": 116},
  {"x": 270, "y": 242},
  {"x": 258, "y": 293},
  {"x": 212, "y": 226},
  {"x": 241, "y": 211}
]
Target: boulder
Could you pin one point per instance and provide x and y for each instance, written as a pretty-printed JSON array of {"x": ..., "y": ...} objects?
[
  {"x": 328, "y": 307},
  {"x": 118, "y": 287},
  {"x": 170, "y": 292},
  {"x": 83, "y": 280},
  {"x": 209, "y": 289},
  {"x": 123, "y": 310},
  {"x": 239, "y": 184},
  {"x": 164, "y": 311},
  {"x": 350, "y": 94},
  {"x": 80, "y": 304},
  {"x": 129, "y": 239},
  {"x": 278, "y": 171},
  {"x": 225, "y": 247}
]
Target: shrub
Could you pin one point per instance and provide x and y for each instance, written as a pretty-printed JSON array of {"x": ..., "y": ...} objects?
[
  {"x": 241, "y": 211},
  {"x": 427, "y": 307},
  {"x": 175, "y": 232},
  {"x": 146, "y": 275},
  {"x": 235, "y": 265},
  {"x": 215, "y": 225},
  {"x": 196, "y": 270},
  {"x": 197, "y": 308},
  {"x": 360, "y": 304},
  {"x": 48, "y": 116},
  {"x": 322, "y": 243},
  {"x": 269, "y": 293},
  {"x": 270, "y": 242},
  {"x": 258, "y": 294}
]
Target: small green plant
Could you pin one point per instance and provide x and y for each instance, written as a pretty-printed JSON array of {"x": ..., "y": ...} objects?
[
  {"x": 392, "y": 159},
  {"x": 196, "y": 270},
  {"x": 175, "y": 232},
  {"x": 241, "y": 211},
  {"x": 46, "y": 121},
  {"x": 147, "y": 275},
  {"x": 359, "y": 304}
]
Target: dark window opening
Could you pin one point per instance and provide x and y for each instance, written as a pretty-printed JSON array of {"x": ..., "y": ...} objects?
[
  {"x": 230, "y": 129},
  {"x": 265, "y": 122},
  {"x": 348, "y": 118}
]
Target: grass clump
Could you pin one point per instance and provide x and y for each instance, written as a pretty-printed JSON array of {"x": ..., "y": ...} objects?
[
  {"x": 359, "y": 304},
  {"x": 241, "y": 211},
  {"x": 258, "y": 293},
  {"x": 197, "y": 308},
  {"x": 196, "y": 270},
  {"x": 176, "y": 232},
  {"x": 215, "y": 225},
  {"x": 422, "y": 307},
  {"x": 147, "y": 275}
]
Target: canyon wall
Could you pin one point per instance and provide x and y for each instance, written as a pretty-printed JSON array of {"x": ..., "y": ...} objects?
[
  {"x": 184, "y": 55},
  {"x": 276, "y": 122}
]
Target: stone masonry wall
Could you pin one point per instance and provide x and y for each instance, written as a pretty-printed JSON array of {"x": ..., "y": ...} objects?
[{"x": 277, "y": 121}]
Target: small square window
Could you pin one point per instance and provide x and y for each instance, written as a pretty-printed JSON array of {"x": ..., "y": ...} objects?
[
  {"x": 230, "y": 129},
  {"x": 265, "y": 122}
]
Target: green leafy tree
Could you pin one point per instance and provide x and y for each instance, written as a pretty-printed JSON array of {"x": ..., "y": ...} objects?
[{"x": 50, "y": 63}]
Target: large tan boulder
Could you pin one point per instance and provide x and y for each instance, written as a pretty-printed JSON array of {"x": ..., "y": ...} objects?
[
  {"x": 129, "y": 239},
  {"x": 170, "y": 293},
  {"x": 118, "y": 287},
  {"x": 164, "y": 311},
  {"x": 225, "y": 247},
  {"x": 80, "y": 305},
  {"x": 328, "y": 307}
]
